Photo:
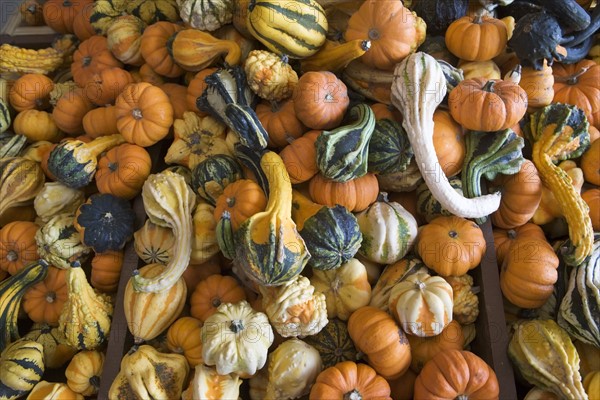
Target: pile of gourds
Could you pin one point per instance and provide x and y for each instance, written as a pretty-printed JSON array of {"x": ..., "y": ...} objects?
[{"x": 329, "y": 164}]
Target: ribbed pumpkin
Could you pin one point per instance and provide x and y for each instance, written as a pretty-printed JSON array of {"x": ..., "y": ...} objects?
[
  {"x": 320, "y": 100},
  {"x": 123, "y": 170},
  {"x": 60, "y": 14},
  {"x": 82, "y": 27},
  {"x": 177, "y": 95},
  {"x": 17, "y": 245},
  {"x": 91, "y": 57},
  {"x": 476, "y": 38},
  {"x": 348, "y": 380},
  {"x": 590, "y": 162},
  {"x": 101, "y": 121},
  {"x": 148, "y": 314},
  {"x": 184, "y": 337},
  {"x": 154, "y": 48},
  {"x": 383, "y": 343},
  {"x": 69, "y": 111},
  {"x": 424, "y": 349},
  {"x": 84, "y": 371},
  {"x": 242, "y": 199},
  {"x": 213, "y": 291},
  {"x": 592, "y": 198},
  {"x": 144, "y": 114},
  {"x": 107, "y": 84},
  {"x": 505, "y": 238},
  {"x": 43, "y": 302},
  {"x": 280, "y": 122},
  {"x": 31, "y": 91},
  {"x": 448, "y": 142},
  {"x": 300, "y": 157},
  {"x": 106, "y": 270},
  {"x": 577, "y": 84},
  {"x": 356, "y": 195}
]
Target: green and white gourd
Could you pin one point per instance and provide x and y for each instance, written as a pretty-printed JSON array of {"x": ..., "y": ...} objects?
[
  {"x": 5, "y": 119},
  {"x": 211, "y": 176},
  {"x": 389, "y": 148},
  {"x": 428, "y": 206}
]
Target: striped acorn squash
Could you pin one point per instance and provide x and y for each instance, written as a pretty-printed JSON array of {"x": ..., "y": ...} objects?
[
  {"x": 5, "y": 119},
  {"x": 580, "y": 307},
  {"x": 331, "y": 234},
  {"x": 12, "y": 290},
  {"x": 334, "y": 343},
  {"x": 211, "y": 176},
  {"x": 388, "y": 230},
  {"x": 10, "y": 144},
  {"x": 22, "y": 366},
  {"x": 295, "y": 28},
  {"x": 389, "y": 148},
  {"x": 342, "y": 153},
  {"x": 151, "y": 11},
  {"x": 428, "y": 206}
]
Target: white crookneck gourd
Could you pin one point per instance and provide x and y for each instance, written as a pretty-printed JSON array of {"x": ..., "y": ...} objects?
[
  {"x": 56, "y": 198},
  {"x": 169, "y": 201},
  {"x": 418, "y": 88}
]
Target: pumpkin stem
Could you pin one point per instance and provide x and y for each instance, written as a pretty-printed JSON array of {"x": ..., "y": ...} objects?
[
  {"x": 453, "y": 234},
  {"x": 475, "y": 289},
  {"x": 50, "y": 297},
  {"x": 236, "y": 326},
  {"x": 512, "y": 234},
  {"x": 12, "y": 256},
  {"x": 137, "y": 113},
  {"x": 230, "y": 201},
  {"x": 489, "y": 86},
  {"x": 373, "y": 34},
  {"x": 216, "y": 302},
  {"x": 113, "y": 166},
  {"x": 462, "y": 397},
  {"x": 420, "y": 285},
  {"x": 95, "y": 381},
  {"x": 383, "y": 197},
  {"x": 352, "y": 395},
  {"x": 329, "y": 98},
  {"x": 478, "y": 17},
  {"x": 135, "y": 347},
  {"x": 571, "y": 79},
  {"x": 285, "y": 59},
  {"x": 275, "y": 106},
  {"x": 86, "y": 61}
]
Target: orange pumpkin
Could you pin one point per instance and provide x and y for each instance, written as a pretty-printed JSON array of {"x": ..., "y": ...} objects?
[
  {"x": 529, "y": 272},
  {"x": 449, "y": 142},
  {"x": 300, "y": 157},
  {"x": 394, "y": 32},
  {"x": 106, "y": 270},
  {"x": 504, "y": 238},
  {"x": 280, "y": 122},
  {"x": 403, "y": 387},
  {"x": 195, "y": 89},
  {"x": 195, "y": 273},
  {"x": 177, "y": 95},
  {"x": 107, "y": 84},
  {"x": 17, "y": 246},
  {"x": 320, "y": 100},
  {"x": 147, "y": 74},
  {"x": 154, "y": 48},
  {"x": 101, "y": 121},
  {"x": 384, "y": 345},
  {"x": 348, "y": 380},
  {"x": 44, "y": 301},
  {"x": 592, "y": 199},
  {"x": 242, "y": 199},
  {"x": 579, "y": 84},
  {"x": 386, "y": 111},
  {"x": 37, "y": 126},
  {"x": 69, "y": 112},
  {"x": 521, "y": 196},
  {"x": 91, "y": 57},
  {"x": 82, "y": 27},
  {"x": 456, "y": 374},
  {"x": 31, "y": 91},
  {"x": 451, "y": 246},
  {"x": 594, "y": 134},
  {"x": 356, "y": 194},
  {"x": 476, "y": 38},
  {"x": 213, "y": 291},
  {"x": 45, "y": 154},
  {"x": 486, "y": 105},
  {"x": 144, "y": 114},
  {"x": 424, "y": 349},
  {"x": 185, "y": 337},
  {"x": 539, "y": 86},
  {"x": 123, "y": 170},
  {"x": 60, "y": 14},
  {"x": 590, "y": 163}
]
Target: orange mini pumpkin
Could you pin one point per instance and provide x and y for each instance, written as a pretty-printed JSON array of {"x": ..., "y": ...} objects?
[
  {"x": 154, "y": 48},
  {"x": 280, "y": 122},
  {"x": 579, "y": 84},
  {"x": 101, "y": 121},
  {"x": 106, "y": 270},
  {"x": 451, "y": 246},
  {"x": 91, "y": 57},
  {"x": 356, "y": 194},
  {"x": 320, "y": 100},
  {"x": 60, "y": 14},
  {"x": 300, "y": 157},
  {"x": 486, "y": 105},
  {"x": 242, "y": 199},
  {"x": 17, "y": 246},
  {"x": 504, "y": 238},
  {"x": 31, "y": 91},
  {"x": 476, "y": 38},
  {"x": 107, "y": 84},
  {"x": 592, "y": 198},
  {"x": 144, "y": 114},
  {"x": 82, "y": 27},
  {"x": 185, "y": 337},
  {"x": 423, "y": 349},
  {"x": 449, "y": 142},
  {"x": 123, "y": 170},
  {"x": 43, "y": 302},
  {"x": 177, "y": 95},
  {"x": 590, "y": 164},
  {"x": 69, "y": 112},
  {"x": 213, "y": 291},
  {"x": 196, "y": 88},
  {"x": 349, "y": 380}
]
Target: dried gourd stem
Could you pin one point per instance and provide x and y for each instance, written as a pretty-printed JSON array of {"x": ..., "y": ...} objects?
[
  {"x": 12, "y": 256},
  {"x": 571, "y": 79},
  {"x": 352, "y": 395},
  {"x": 478, "y": 17},
  {"x": 95, "y": 382}
]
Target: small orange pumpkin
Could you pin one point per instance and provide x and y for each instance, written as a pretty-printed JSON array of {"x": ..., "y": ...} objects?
[
  {"x": 504, "y": 238},
  {"x": 17, "y": 246},
  {"x": 213, "y": 291},
  {"x": 195, "y": 273},
  {"x": 386, "y": 111},
  {"x": 31, "y": 91},
  {"x": 177, "y": 95},
  {"x": 101, "y": 121},
  {"x": 280, "y": 122},
  {"x": 185, "y": 337},
  {"x": 154, "y": 48},
  {"x": 300, "y": 157},
  {"x": 123, "y": 170},
  {"x": 69, "y": 112},
  {"x": 592, "y": 199},
  {"x": 195, "y": 89},
  {"x": 590, "y": 163},
  {"x": 348, "y": 380},
  {"x": 60, "y": 14},
  {"x": 106, "y": 270},
  {"x": 356, "y": 194},
  {"x": 90, "y": 58},
  {"x": 449, "y": 142},
  {"x": 82, "y": 27},
  {"x": 107, "y": 84},
  {"x": 476, "y": 38},
  {"x": 579, "y": 84},
  {"x": 37, "y": 126},
  {"x": 144, "y": 114},
  {"x": 44, "y": 301},
  {"x": 242, "y": 199},
  {"x": 423, "y": 349}
]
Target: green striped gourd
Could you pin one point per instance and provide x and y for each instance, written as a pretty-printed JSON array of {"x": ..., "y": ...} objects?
[
  {"x": 211, "y": 176},
  {"x": 11, "y": 144},
  {"x": 296, "y": 28},
  {"x": 22, "y": 366},
  {"x": 334, "y": 343},
  {"x": 12, "y": 290},
  {"x": 4, "y": 116},
  {"x": 388, "y": 230},
  {"x": 389, "y": 148},
  {"x": 428, "y": 206}
]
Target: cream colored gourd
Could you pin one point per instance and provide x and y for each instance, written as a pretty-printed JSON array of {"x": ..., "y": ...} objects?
[
  {"x": 168, "y": 201},
  {"x": 148, "y": 314},
  {"x": 346, "y": 288},
  {"x": 293, "y": 369},
  {"x": 295, "y": 308},
  {"x": 56, "y": 198},
  {"x": 59, "y": 243},
  {"x": 204, "y": 242},
  {"x": 225, "y": 341},
  {"x": 418, "y": 88},
  {"x": 86, "y": 315},
  {"x": 20, "y": 181},
  {"x": 422, "y": 304},
  {"x": 208, "y": 384},
  {"x": 388, "y": 231},
  {"x": 147, "y": 373}
]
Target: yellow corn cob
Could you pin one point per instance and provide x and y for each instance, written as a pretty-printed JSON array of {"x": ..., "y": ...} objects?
[
  {"x": 27, "y": 61},
  {"x": 335, "y": 56}
]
